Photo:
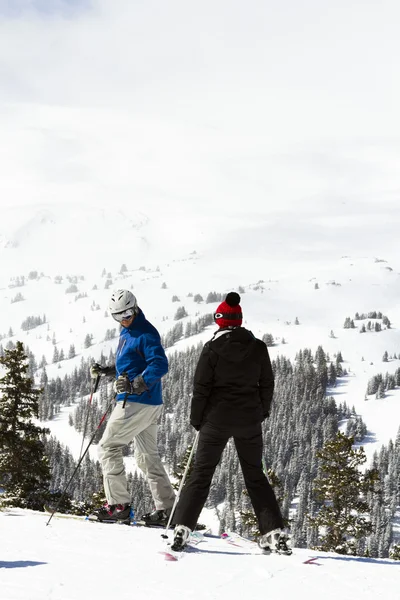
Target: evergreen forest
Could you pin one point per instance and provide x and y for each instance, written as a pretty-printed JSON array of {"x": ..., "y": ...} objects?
[{"x": 304, "y": 418}]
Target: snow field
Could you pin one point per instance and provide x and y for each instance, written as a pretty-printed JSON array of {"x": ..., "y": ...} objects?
[{"x": 75, "y": 560}]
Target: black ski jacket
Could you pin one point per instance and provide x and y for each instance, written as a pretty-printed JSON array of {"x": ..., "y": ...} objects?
[{"x": 233, "y": 382}]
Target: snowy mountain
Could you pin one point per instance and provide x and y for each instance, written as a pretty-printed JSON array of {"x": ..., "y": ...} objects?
[
  {"x": 62, "y": 264},
  {"x": 73, "y": 559}
]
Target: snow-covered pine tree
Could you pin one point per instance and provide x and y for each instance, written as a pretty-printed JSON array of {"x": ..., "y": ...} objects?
[
  {"x": 24, "y": 469},
  {"x": 341, "y": 487}
]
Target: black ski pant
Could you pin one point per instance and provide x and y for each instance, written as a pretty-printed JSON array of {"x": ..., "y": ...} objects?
[{"x": 249, "y": 445}]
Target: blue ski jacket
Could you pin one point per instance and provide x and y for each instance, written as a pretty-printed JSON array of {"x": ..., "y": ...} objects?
[{"x": 140, "y": 352}]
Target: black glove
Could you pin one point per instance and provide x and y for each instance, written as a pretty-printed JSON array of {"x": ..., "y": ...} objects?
[
  {"x": 96, "y": 370},
  {"x": 138, "y": 385},
  {"x": 123, "y": 386}
]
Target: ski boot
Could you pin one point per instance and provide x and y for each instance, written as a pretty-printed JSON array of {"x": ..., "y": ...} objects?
[
  {"x": 112, "y": 513},
  {"x": 275, "y": 541},
  {"x": 181, "y": 537},
  {"x": 157, "y": 517}
]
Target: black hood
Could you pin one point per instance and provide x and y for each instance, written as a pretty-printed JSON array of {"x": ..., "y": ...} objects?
[{"x": 233, "y": 345}]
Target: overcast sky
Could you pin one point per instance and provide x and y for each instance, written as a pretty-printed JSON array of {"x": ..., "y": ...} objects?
[{"x": 213, "y": 103}]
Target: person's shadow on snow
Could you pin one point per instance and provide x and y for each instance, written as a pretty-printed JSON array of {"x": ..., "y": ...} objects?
[{"x": 18, "y": 564}]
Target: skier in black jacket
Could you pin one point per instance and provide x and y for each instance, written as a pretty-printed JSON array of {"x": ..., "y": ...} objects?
[{"x": 232, "y": 395}]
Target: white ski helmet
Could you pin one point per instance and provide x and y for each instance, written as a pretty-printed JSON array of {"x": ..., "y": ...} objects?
[{"x": 122, "y": 300}]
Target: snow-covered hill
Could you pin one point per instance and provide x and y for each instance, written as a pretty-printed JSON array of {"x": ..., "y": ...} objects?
[
  {"x": 77, "y": 560},
  {"x": 110, "y": 248}
]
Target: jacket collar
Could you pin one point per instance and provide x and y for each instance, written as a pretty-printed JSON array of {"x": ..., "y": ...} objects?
[{"x": 222, "y": 331}]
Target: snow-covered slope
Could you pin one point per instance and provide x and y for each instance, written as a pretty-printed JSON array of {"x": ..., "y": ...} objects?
[
  {"x": 67, "y": 245},
  {"x": 78, "y": 560}
]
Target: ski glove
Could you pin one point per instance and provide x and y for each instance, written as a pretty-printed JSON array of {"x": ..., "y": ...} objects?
[
  {"x": 96, "y": 370},
  {"x": 123, "y": 386}
]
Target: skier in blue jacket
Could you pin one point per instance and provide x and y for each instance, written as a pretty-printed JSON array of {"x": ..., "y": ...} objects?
[{"x": 140, "y": 364}]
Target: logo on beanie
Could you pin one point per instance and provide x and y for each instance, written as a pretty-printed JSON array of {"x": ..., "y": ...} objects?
[{"x": 229, "y": 313}]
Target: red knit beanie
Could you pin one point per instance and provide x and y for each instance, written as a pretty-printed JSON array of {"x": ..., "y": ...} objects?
[{"x": 229, "y": 313}]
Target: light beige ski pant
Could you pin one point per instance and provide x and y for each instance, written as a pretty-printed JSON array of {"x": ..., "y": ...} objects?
[{"x": 139, "y": 422}]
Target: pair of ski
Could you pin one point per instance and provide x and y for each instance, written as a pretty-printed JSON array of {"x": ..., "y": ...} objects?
[
  {"x": 128, "y": 521},
  {"x": 93, "y": 519},
  {"x": 196, "y": 537},
  {"x": 140, "y": 523},
  {"x": 232, "y": 538},
  {"x": 235, "y": 539}
]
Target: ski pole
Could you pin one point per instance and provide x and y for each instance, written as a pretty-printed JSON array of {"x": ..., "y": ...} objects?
[
  {"x": 93, "y": 391},
  {"x": 264, "y": 467},
  {"x": 164, "y": 535},
  {"x": 80, "y": 460}
]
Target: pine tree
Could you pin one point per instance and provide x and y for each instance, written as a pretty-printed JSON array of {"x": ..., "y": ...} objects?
[
  {"x": 181, "y": 466},
  {"x": 268, "y": 339},
  {"x": 395, "y": 552},
  {"x": 56, "y": 355},
  {"x": 180, "y": 313},
  {"x": 342, "y": 489},
  {"x": 380, "y": 392},
  {"x": 24, "y": 470}
]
